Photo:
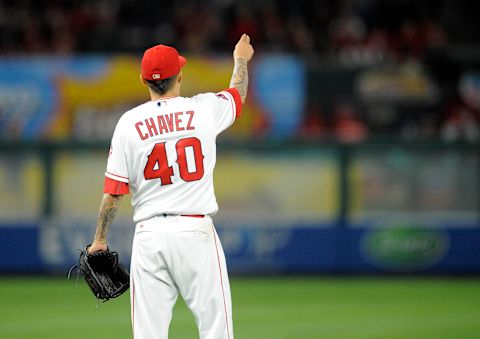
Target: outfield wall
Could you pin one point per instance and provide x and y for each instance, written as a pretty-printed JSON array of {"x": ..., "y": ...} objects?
[
  {"x": 292, "y": 208},
  {"x": 31, "y": 249}
]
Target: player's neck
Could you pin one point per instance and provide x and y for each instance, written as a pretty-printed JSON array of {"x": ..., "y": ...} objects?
[
  {"x": 170, "y": 94},
  {"x": 174, "y": 92}
]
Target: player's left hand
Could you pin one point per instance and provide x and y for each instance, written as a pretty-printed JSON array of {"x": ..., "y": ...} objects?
[
  {"x": 97, "y": 247},
  {"x": 243, "y": 48}
]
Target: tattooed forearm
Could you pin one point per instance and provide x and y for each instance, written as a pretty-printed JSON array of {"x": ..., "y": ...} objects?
[
  {"x": 108, "y": 210},
  {"x": 240, "y": 77}
]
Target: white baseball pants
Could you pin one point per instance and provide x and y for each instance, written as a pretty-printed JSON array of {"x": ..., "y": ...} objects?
[{"x": 179, "y": 254}]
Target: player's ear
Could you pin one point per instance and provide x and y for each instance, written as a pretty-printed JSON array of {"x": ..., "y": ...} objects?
[
  {"x": 142, "y": 80},
  {"x": 179, "y": 77}
]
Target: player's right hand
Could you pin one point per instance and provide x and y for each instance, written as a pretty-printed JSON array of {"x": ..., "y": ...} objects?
[{"x": 243, "y": 48}]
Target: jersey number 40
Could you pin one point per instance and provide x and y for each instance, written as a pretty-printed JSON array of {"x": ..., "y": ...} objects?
[{"x": 157, "y": 163}]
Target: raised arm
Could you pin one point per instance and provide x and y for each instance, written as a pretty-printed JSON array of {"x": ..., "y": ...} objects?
[
  {"x": 242, "y": 54},
  {"x": 108, "y": 210}
]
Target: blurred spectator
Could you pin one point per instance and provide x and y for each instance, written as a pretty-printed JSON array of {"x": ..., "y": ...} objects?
[
  {"x": 348, "y": 32},
  {"x": 348, "y": 127},
  {"x": 435, "y": 36},
  {"x": 409, "y": 42},
  {"x": 273, "y": 26},
  {"x": 460, "y": 125},
  {"x": 313, "y": 125},
  {"x": 244, "y": 21},
  {"x": 302, "y": 39}
]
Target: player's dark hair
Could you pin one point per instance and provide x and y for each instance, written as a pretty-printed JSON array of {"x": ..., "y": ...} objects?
[{"x": 161, "y": 86}]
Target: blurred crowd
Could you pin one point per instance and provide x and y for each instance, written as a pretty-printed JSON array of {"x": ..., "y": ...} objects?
[
  {"x": 381, "y": 27},
  {"x": 351, "y": 32}
]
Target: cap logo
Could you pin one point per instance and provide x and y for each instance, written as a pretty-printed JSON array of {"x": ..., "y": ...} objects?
[{"x": 156, "y": 76}]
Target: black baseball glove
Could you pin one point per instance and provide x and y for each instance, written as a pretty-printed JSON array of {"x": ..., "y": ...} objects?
[{"x": 105, "y": 276}]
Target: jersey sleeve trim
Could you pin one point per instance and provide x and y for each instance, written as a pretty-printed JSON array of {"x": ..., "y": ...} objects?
[
  {"x": 234, "y": 113},
  {"x": 236, "y": 99},
  {"x": 115, "y": 187},
  {"x": 116, "y": 177}
]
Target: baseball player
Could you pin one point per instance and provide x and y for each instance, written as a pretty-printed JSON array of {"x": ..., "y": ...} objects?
[{"x": 163, "y": 153}]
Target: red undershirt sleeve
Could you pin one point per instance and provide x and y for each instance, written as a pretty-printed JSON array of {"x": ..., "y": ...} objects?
[
  {"x": 115, "y": 187},
  {"x": 238, "y": 100}
]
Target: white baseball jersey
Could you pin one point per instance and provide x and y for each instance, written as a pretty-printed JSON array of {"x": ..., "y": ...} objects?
[{"x": 164, "y": 153}]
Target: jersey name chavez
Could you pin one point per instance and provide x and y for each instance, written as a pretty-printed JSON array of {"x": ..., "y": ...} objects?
[{"x": 171, "y": 122}]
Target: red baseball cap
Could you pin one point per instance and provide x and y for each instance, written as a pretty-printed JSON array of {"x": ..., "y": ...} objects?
[{"x": 161, "y": 62}]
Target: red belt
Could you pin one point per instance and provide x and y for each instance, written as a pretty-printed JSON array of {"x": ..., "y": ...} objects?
[{"x": 193, "y": 215}]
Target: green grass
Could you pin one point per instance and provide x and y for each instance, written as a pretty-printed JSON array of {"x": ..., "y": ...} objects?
[{"x": 264, "y": 308}]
